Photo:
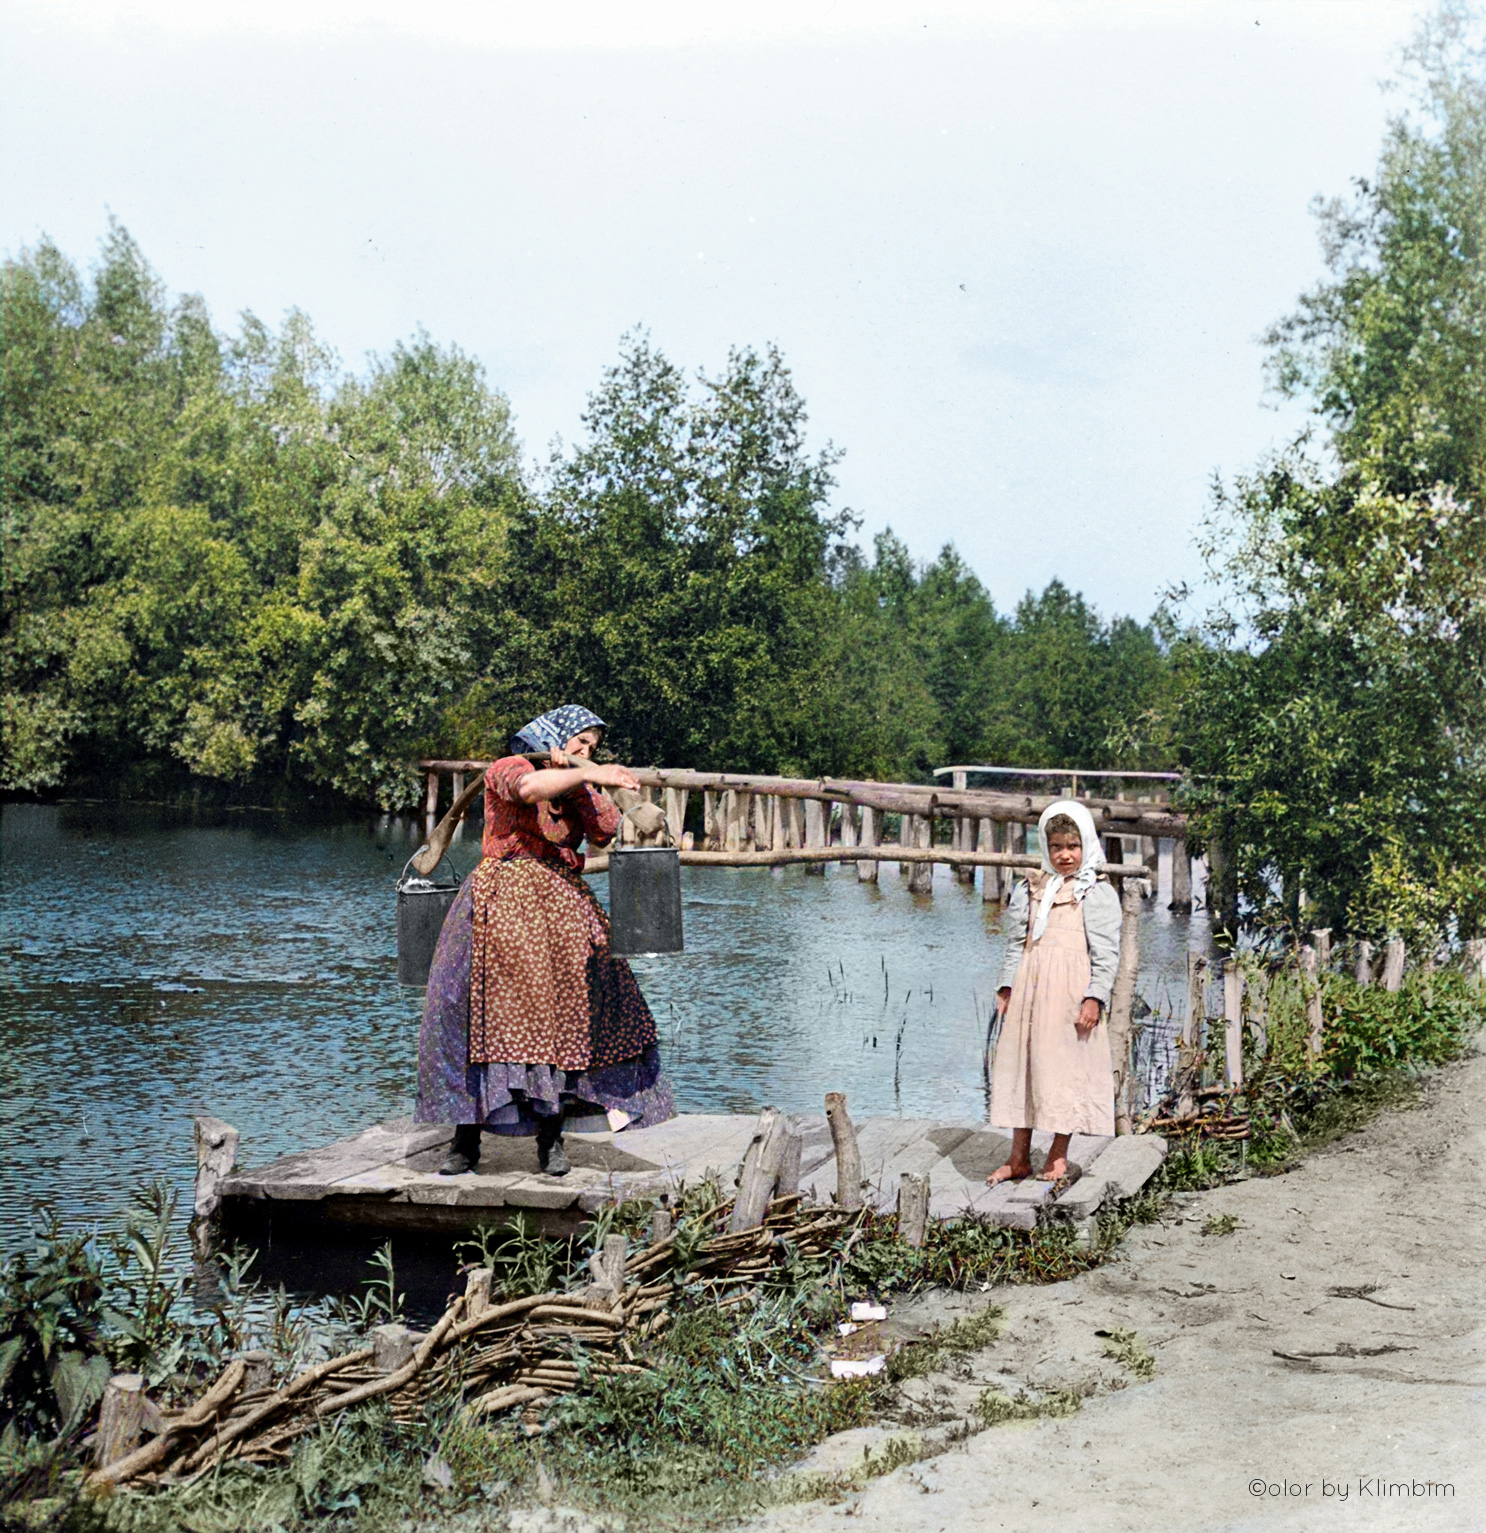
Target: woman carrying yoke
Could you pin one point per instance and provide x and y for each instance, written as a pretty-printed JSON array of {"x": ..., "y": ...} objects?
[{"x": 527, "y": 1012}]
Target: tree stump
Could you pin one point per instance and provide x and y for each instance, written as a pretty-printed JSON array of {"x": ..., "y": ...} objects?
[
  {"x": 660, "y": 1225},
  {"x": 913, "y": 1208},
  {"x": 121, "y": 1418},
  {"x": 477, "y": 1292},
  {"x": 848, "y": 1154},
  {"x": 392, "y": 1347}
]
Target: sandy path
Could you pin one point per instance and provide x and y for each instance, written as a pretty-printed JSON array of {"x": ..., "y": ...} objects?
[{"x": 1180, "y": 1452}]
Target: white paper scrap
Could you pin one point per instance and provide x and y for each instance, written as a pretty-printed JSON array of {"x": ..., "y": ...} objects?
[
  {"x": 869, "y": 1312},
  {"x": 846, "y": 1328},
  {"x": 857, "y": 1367}
]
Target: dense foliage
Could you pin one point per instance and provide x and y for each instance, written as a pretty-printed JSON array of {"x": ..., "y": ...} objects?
[
  {"x": 1336, "y": 703},
  {"x": 225, "y": 561}
]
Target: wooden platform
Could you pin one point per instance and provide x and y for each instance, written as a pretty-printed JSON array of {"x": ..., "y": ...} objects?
[{"x": 386, "y": 1177}]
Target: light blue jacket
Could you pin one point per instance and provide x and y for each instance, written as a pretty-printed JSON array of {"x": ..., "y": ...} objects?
[{"x": 1101, "y": 907}]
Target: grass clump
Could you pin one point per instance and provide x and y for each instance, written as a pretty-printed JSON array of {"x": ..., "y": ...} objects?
[
  {"x": 970, "y": 1333},
  {"x": 995, "y": 1407},
  {"x": 1127, "y": 1349},
  {"x": 1221, "y": 1224}
]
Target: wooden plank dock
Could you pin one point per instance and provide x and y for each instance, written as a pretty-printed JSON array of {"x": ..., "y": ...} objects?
[{"x": 386, "y": 1177}]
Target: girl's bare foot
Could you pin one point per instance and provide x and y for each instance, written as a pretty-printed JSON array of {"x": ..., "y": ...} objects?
[
  {"x": 1008, "y": 1173},
  {"x": 1054, "y": 1170}
]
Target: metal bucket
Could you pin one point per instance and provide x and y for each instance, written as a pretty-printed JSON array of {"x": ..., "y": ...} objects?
[
  {"x": 644, "y": 900},
  {"x": 421, "y": 908}
]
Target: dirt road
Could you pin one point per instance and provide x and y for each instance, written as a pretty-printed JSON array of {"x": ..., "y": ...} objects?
[{"x": 1278, "y": 1402}]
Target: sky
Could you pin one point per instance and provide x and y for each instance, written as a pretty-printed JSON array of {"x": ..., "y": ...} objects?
[{"x": 1018, "y": 256}]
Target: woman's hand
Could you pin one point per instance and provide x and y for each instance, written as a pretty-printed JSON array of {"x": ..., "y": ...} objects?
[
  {"x": 1003, "y": 1000},
  {"x": 610, "y": 775},
  {"x": 1088, "y": 1017}
]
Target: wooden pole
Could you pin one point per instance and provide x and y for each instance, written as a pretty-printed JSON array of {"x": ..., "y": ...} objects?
[
  {"x": 1393, "y": 962},
  {"x": 710, "y": 841},
  {"x": 789, "y": 1166},
  {"x": 1475, "y": 960},
  {"x": 815, "y": 831},
  {"x": 964, "y": 834},
  {"x": 921, "y": 874},
  {"x": 1233, "y": 1017},
  {"x": 1321, "y": 941},
  {"x": 913, "y": 1208},
  {"x": 431, "y": 803},
  {"x": 599, "y": 862},
  {"x": 871, "y": 826},
  {"x": 848, "y": 1155},
  {"x": 990, "y": 882},
  {"x": 1258, "y": 996},
  {"x": 1181, "y": 877},
  {"x": 1122, "y": 1002}
]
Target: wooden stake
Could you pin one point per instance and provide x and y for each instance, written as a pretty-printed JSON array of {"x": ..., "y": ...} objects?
[
  {"x": 848, "y": 1155},
  {"x": 477, "y": 1292},
  {"x": 392, "y": 1347},
  {"x": 1362, "y": 970},
  {"x": 1189, "y": 1058},
  {"x": 1393, "y": 962},
  {"x": 1475, "y": 960},
  {"x": 789, "y": 1166},
  {"x": 1233, "y": 1016},
  {"x": 1310, "y": 964},
  {"x": 964, "y": 834},
  {"x": 760, "y": 1171},
  {"x": 216, "y": 1155},
  {"x": 675, "y": 804},
  {"x": 711, "y": 842},
  {"x": 660, "y": 1226},
  {"x": 1122, "y": 1002},
  {"x": 1321, "y": 941},
  {"x": 913, "y": 1208}
]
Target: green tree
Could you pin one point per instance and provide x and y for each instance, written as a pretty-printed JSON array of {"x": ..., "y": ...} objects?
[{"x": 1336, "y": 699}]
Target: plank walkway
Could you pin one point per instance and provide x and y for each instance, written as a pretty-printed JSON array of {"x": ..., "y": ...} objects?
[{"x": 385, "y": 1177}]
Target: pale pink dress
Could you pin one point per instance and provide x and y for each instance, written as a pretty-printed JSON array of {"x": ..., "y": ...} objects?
[{"x": 1045, "y": 1076}]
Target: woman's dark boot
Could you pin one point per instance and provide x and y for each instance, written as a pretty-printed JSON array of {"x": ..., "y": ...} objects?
[
  {"x": 550, "y": 1155},
  {"x": 464, "y": 1153}
]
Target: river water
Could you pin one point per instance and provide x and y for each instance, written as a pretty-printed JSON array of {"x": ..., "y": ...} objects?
[{"x": 159, "y": 965}]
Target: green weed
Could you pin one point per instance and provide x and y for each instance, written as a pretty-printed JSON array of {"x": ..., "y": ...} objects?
[
  {"x": 1221, "y": 1224},
  {"x": 1130, "y": 1352}
]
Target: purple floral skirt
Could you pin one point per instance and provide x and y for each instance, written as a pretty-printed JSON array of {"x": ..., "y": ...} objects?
[{"x": 509, "y": 1097}]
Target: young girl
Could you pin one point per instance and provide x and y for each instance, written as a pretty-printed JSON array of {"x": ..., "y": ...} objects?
[{"x": 1052, "y": 1067}]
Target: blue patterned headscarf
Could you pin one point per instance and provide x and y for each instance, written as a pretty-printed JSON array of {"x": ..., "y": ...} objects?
[{"x": 552, "y": 731}]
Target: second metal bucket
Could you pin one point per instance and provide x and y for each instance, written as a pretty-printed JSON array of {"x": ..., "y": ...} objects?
[
  {"x": 644, "y": 900},
  {"x": 421, "y": 908}
]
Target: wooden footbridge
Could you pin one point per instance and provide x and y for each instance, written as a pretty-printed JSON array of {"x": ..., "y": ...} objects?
[
  {"x": 386, "y": 1177},
  {"x": 758, "y": 821}
]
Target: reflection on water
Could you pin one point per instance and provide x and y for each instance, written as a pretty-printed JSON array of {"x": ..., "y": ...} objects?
[{"x": 158, "y": 966}]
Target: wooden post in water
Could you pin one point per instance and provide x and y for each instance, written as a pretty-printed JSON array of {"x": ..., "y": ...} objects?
[
  {"x": 676, "y": 813},
  {"x": 1233, "y": 1032},
  {"x": 457, "y": 790},
  {"x": 710, "y": 841},
  {"x": 1362, "y": 968},
  {"x": 964, "y": 832},
  {"x": 794, "y": 822},
  {"x": 921, "y": 874},
  {"x": 1393, "y": 961},
  {"x": 431, "y": 803},
  {"x": 778, "y": 828},
  {"x": 848, "y": 1154},
  {"x": 1122, "y": 1002},
  {"x": 1310, "y": 966},
  {"x": 990, "y": 881},
  {"x": 815, "y": 832},
  {"x": 870, "y": 835},
  {"x": 1181, "y": 876}
]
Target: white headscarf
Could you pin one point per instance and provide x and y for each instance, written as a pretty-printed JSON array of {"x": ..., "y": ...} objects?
[{"x": 1088, "y": 872}]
